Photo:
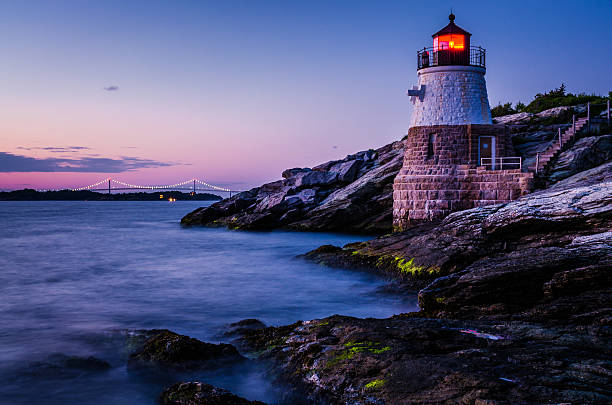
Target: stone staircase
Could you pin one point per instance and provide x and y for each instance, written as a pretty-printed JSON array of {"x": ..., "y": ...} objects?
[{"x": 555, "y": 147}]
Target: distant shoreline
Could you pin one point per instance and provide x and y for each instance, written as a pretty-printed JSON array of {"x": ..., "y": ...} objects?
[{"x": 86, "y": 195}]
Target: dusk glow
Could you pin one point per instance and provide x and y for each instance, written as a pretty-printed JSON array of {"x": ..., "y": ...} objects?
[{"x": 235, "y": 92}]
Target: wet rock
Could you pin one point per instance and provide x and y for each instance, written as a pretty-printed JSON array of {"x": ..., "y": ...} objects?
[
  {"x": 167, "y": 349},
  {"x": 197, "y": 393},
  {"x": 239, "y": 328},
  {"x": 406, "y": 360}
]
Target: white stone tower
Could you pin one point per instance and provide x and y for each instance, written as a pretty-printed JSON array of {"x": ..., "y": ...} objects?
[{"x": 452, "y": 88}]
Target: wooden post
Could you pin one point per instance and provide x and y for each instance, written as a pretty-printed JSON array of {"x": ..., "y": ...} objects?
[
  {"x": 574, "y": 125},
  {"x": 537, "y": 161},
  {"x": 560, "y": 143},
  {"x": 608, "y": 105},
  {"x": 109, "y": 186}
]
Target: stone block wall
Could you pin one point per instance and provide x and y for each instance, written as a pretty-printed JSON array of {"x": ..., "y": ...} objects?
[{"x": 442, "y": 176}]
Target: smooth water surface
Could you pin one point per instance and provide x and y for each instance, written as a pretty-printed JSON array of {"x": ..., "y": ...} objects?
[{"x": 76, "y": 276}]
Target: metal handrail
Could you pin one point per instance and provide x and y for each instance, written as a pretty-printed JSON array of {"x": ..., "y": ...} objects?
[
  {"x": 438, "y": 56},
  {"x": 498, "y": 163}
]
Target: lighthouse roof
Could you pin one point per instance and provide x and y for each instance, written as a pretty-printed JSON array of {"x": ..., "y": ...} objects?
[{"x": 451, "y": 28}]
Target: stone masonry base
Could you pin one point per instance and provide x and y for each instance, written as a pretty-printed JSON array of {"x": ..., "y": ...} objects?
[{"x": 427, "y": 192}]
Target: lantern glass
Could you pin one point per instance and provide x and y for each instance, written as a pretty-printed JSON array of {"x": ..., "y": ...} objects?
[{"x": 449, "y": 41}]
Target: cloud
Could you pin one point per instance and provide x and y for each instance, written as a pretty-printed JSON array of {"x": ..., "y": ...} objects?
[
  {"x": 57, "y": 149},
  {"x": 112, "y": 88},
  {"x": 16, "y": 163}
]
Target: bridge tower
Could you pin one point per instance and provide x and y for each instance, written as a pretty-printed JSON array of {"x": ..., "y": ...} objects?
[{"x": 451, "y": 145}]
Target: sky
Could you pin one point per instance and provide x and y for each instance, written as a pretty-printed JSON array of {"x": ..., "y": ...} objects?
[{"x": 234, "y": 92}]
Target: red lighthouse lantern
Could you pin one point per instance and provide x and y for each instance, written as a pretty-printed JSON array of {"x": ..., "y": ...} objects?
[{"x": 451, "y": 45}]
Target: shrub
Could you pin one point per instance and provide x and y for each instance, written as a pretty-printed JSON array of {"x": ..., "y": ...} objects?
[{"x": 500, "y": 110}]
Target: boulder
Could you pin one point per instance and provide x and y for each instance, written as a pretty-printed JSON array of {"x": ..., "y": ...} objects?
[
  {"x": 584, "y": 154},
  {"x": 197, "y": 393},
  {"x": 238, "y": 328},
  {"x": 553, "y": 112},
  {"x": 270, "y": 202},
  {"x": 599, "y": 174},
  {"x": 287, "y": 174},
  {"x": 347, "y": 171},
  {"x": 169, "y": 350},
  {"x": 315, "y": 178},
  {"x": 518, "y": 118}
]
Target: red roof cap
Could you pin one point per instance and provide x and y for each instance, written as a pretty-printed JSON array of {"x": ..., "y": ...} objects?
[{"x": 451, "y": 28}]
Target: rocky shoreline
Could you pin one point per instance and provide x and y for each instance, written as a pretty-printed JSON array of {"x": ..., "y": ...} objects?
[
  {"x": 514, "y": 299},
  {"x": 514, "y": 308}
]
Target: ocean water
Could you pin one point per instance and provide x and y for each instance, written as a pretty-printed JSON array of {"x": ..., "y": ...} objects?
[{"x": 77, "y": 277}]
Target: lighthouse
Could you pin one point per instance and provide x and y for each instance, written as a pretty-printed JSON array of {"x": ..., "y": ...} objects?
[
  {"x": 454, "y": 157},
  {"x": 451, "y": 88}
]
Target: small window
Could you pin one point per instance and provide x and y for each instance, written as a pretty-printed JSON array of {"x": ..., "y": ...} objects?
[{"x": 430, "y": 146}]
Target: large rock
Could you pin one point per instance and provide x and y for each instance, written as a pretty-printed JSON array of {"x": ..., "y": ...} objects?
[
  {"x": 315, "y": 178},
  {"x": 518, "y": 118},
  {"x": 289, "y": 173},
  {"x": 197, "y": 393},
  {"x": 167, "y": 349},
  {"x": 584, "y": 154},
  {"x": 347, "y": 171},
  {"x": 404, "y": 360},
  {"x": 350, "y": 195}
]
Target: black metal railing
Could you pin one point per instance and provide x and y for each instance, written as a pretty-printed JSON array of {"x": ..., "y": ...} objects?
[{"x": 428, "y": 57}]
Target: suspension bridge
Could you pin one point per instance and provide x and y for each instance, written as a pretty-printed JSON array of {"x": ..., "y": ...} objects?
[{"x": 193, "y": 185}]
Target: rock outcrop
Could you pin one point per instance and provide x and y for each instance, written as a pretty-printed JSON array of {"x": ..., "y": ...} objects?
[
  {"x": 349, "y": 195},
  {"x": 586, "y": 153},
  {"x": 515, "y": 298},
  {"x": 504, "y": 260},
  {"x": 169, "y": 350},
  {"x": 197, "y": 393},
  {"x": 404, "y": 360}
]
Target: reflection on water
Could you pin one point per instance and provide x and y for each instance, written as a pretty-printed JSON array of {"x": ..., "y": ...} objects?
[{"x": 76, "y": 275}]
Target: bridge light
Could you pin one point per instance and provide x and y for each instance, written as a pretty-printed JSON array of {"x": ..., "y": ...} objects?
[{"x": 161, "y": 196}]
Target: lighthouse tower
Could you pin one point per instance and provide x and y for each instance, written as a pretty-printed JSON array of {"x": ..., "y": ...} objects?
[
  {"x": 451, "y": 89},
  {"x": 454, "y": 157}
]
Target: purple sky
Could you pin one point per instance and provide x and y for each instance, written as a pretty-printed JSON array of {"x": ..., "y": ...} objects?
[{"x": 233, "y": 92}]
